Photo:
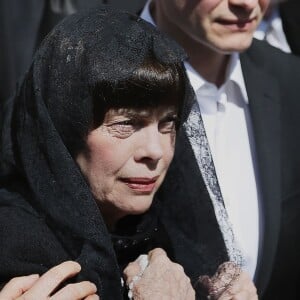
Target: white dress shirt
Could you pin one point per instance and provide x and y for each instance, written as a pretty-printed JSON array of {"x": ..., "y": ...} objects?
[
  {"x": 271, "y": 30},
  {"x": 225, "y": 114}
]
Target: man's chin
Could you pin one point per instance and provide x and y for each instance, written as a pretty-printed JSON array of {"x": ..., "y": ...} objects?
[{"x": 228, "y": 47}]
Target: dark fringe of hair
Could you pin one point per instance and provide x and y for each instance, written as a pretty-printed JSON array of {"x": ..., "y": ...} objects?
[{"x": 151, "y": 85}]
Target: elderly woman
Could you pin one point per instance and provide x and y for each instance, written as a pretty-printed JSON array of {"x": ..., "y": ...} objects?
[{"x": 86, "y": 143}]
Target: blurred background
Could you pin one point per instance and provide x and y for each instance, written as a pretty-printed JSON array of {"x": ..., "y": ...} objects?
[{"x": 24, "y": 24}]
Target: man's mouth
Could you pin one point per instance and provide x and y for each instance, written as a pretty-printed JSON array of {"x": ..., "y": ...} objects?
[{"x": 237, "y": 23}]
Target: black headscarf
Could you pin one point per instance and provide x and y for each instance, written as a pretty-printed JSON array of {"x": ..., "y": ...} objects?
[{"x": 47, "y": 212}]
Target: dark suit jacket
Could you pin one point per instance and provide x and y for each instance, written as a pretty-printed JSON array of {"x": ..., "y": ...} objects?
[
  {"x": 290, "y": 15},
  {"x": 273, "y": 87}
]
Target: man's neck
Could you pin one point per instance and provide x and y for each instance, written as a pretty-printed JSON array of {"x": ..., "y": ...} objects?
[{"x": 210, "y": 64}]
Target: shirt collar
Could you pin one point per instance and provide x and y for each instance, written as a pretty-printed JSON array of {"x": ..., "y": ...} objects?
[
  {"x": 234, "y": 74},
  {"x": 234, "y": 71}
]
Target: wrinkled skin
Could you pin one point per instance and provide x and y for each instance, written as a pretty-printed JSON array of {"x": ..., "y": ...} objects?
[
  {"x": 229, "y": 283},
  {"x": 162, "y": 279}
]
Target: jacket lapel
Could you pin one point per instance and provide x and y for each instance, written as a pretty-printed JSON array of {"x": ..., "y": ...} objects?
[{"x": 264, "y": 102}]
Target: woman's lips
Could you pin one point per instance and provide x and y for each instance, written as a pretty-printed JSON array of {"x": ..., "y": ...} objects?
[{"x": 140, "y": 184}]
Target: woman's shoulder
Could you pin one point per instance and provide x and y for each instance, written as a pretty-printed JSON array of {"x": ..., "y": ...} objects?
[
  {"x": 28, "y": 245},
  {"x": 23, "y": 230},
  {"x": 15, "y": 209}
]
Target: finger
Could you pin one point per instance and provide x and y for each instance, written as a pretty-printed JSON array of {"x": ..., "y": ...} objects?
[
  {"x": 158, "y": 258},
  {"x": 191, "y": 294},
  {"x": 244, "y": 295},
  {"x": 184, "y": 284},
  {"x": 17, "y": 286},
  {"x": 242, "y": 283},
  {"x": 163, "y": 279},
  {"x": 53, "y": 278},
  {"x": 157, "y": 252},
  {"x": 92, "y": 297},
  {"x": 75, "y": 291},
  {"x": 241, "y": 295},
  {"x": 132, "y": 270}
]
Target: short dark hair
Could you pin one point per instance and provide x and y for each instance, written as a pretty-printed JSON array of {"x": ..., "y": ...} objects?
[{"x": 152, "y": 84}]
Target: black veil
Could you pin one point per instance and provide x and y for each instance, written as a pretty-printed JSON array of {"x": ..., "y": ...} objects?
[{"x": 39, "y": 180}]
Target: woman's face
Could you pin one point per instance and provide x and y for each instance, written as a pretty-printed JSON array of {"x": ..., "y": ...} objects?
[{"x": 128, "y": 158}]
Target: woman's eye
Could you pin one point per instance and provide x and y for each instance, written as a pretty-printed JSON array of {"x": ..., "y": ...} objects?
[
  {"x": 124, "y": 124},
  {"x": 168, "y": 125},
  {"x": 122, "y": 128}
]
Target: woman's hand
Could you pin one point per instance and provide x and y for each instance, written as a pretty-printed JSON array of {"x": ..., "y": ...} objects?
[
  {"x": 229, "y": 283},
  {"x": 242, "y": 288},
  {"x": 34, "y": 287},
  {"x": 162, "y": 279}
]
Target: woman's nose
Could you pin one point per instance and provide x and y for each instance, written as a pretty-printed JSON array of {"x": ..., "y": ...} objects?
[{"x": 151, "y": 145}]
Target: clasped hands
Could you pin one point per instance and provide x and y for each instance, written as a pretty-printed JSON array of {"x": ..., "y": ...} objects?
[{"x": 161, "y": 279}]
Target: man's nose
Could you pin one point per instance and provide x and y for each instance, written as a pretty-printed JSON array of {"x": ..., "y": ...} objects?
[{"x": 245, "y": 4}]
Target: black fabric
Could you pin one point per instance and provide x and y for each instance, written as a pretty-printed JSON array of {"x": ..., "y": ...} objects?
[
  {"x": 275, "y": 111},
  {"x": 290, "y": 16},
  {"x": 135, "y": 235},
  {"x": 47, "y": 212}
]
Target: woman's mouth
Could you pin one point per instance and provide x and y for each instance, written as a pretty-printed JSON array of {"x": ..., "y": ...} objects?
[{"x": 140, "y": 184}]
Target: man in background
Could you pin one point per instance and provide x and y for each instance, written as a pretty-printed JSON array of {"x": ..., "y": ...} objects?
[{"x": 233, "y": 187}]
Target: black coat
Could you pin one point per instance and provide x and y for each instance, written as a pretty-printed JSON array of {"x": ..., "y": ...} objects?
[
  {"x": 272, "y": 83},
  {"x": 290, "y": 16}
]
